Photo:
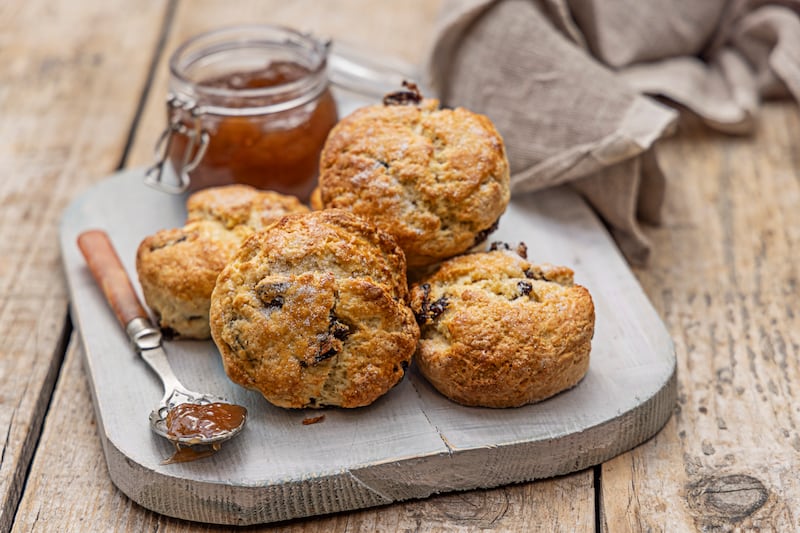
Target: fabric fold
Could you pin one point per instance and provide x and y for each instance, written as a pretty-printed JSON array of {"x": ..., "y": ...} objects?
[{"x": 570, "y": 86}]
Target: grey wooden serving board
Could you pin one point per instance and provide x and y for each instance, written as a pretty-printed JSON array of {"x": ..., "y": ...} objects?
[{"x": 412, "y": 442}]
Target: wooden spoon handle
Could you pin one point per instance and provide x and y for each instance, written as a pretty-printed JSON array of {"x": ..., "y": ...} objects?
[{"x": 110, "y": 275}]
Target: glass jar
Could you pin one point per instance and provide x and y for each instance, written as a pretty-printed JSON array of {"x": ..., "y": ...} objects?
[{"x": 247, "y": 104}]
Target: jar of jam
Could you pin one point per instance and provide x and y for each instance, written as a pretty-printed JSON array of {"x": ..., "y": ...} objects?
[{"x": 247, "y": 104}]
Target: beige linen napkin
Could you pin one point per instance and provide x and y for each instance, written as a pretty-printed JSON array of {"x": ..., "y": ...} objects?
[{"x": 566, "y": 83}]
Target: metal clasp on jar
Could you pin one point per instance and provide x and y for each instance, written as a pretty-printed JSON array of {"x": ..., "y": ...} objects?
[{"x": 197, "y": 143}]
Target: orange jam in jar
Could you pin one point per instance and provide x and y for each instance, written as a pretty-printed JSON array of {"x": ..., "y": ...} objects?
[{"x": 247, "y": 104}]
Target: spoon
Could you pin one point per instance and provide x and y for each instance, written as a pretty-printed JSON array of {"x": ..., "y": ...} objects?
[{"x": 184, "y": 417}]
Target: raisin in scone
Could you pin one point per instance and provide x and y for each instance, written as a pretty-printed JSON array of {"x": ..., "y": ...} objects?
[
  {"x": 177, "y": 268},
  {"x": 500, "y": 331},
  {"x": 313, "y": 312},
  {"x": 436, "y": 179}
]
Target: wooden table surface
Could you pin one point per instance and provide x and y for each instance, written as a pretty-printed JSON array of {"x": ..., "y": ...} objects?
[{"x": 82, "y": 88}]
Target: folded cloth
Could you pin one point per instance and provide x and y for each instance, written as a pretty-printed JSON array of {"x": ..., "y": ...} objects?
[{"x": 566, "y": 82}]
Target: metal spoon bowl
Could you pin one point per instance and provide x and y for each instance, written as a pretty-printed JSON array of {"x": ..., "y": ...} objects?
[
  {"x": 158, "y": 418},
  {"x": 212, "y": 429},
  {"x": 147, "y": 340}
]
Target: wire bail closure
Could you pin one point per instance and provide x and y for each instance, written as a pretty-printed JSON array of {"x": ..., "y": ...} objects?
[{"x": 196, "y": 146}]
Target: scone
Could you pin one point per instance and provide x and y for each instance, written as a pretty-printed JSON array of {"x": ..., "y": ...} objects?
[
  {"x": 312, "y": 312},
  {"x": 241, "y": 205},
  {"x": 436, "y": 179},
  {"x": 500, "y": 331},
  {"x": 177, "y": 268}
]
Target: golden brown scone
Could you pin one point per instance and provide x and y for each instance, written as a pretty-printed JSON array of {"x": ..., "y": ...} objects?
[
  {"x": 499, "y": 331},
  {"x": 312, "y": 312},
  {"x": 177, "y": 268},
  {"x": 241, "y": 205},
  {"x": 436, "y": 179}
]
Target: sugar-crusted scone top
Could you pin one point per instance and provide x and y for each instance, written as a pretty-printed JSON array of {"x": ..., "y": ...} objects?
[
  {"x": 500, "y": 331},
  {"x": 312, "y": 312},
  {"x": 436, "y": 179},
  {"x": 241, "y": 205}
]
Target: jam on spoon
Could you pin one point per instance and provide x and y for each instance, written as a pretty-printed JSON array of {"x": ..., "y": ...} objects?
[
  {"x": 187, "y": 421},
  {"x": 196, "y": 421}
]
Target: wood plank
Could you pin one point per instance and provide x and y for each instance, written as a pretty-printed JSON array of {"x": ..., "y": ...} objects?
[
  {"x": 68, "y": 488},
  {"x": 67, "y": 102},
  {"x": 724, "y": 277}
]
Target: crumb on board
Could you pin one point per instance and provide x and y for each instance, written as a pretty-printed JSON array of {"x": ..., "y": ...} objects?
[{"x": 313, "y": 420}]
